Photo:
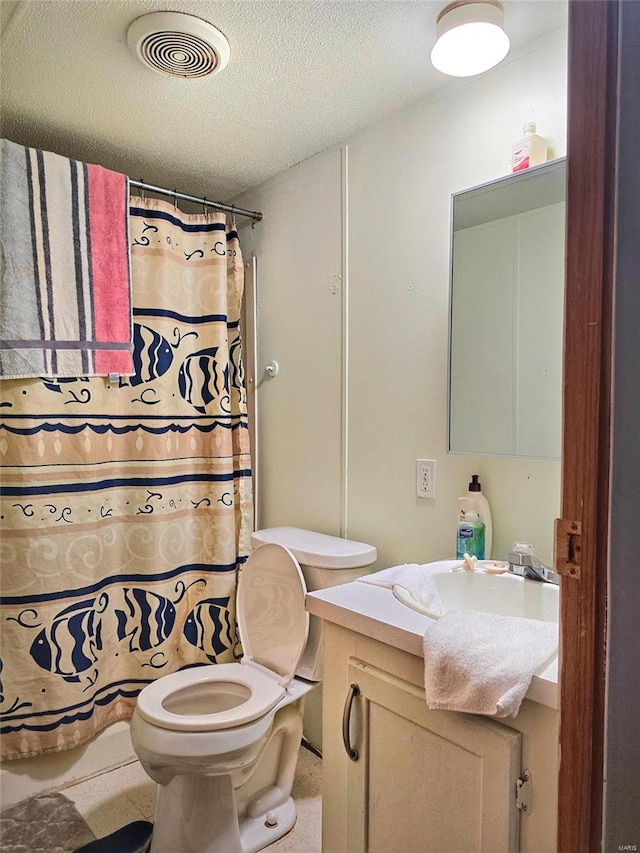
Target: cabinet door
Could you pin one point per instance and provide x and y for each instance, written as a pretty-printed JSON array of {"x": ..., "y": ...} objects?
[{"x": 432, "y": 781}]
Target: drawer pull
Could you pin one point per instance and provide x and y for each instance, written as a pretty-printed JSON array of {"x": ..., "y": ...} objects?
[{"x": 354, "y": 691}]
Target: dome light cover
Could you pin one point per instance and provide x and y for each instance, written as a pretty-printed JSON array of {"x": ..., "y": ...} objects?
[{"x": 470, "y": 38}]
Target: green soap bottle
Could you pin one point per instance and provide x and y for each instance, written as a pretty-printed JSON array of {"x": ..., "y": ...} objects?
[{"x": 470, "y": 536}]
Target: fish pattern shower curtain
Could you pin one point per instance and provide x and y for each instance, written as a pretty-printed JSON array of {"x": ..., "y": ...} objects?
[{"x": 126, "y": 502}]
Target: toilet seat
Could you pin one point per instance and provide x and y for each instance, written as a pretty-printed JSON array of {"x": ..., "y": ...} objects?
[
  {"x": 158, "y": 703},
  {"x": 273, "y": 627}
]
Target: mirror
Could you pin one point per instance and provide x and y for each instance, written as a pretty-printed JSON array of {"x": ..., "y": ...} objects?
[{"x": 506, "y": 319}]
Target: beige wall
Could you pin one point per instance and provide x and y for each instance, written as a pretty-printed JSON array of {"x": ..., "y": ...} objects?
[
  {"x": 362, "y": 387},
  {"x": 299, "y": 250}
]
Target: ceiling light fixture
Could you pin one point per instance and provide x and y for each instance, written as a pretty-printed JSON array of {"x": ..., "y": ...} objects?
[{"x": 470, "y": 38}]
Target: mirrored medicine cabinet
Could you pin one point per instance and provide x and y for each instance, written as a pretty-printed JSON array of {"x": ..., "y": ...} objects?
[{"x": 506, "y": 317}]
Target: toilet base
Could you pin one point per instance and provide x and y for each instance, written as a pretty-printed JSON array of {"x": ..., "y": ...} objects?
[
  {"x": 212, "y": 801},
  {"x": 255, "y": 833},
  {"x": 241, "y": 811},
  {"x": 198, "y": 814}
]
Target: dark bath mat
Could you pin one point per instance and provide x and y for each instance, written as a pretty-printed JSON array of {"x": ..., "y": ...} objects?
[
  {"x": 46, "y": 823},
  {"x": 133, "y": 838}
]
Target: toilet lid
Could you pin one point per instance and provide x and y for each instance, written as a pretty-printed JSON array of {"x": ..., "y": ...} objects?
[{"x": 272, "y": 620}]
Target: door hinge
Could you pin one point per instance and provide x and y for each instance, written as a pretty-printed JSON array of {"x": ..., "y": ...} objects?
[
  {"x": 568, "y": 548},
  {"x": 523, "y": 792}
]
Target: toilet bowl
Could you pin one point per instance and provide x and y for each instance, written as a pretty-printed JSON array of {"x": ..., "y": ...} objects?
[{"x": 222, "y": 740}]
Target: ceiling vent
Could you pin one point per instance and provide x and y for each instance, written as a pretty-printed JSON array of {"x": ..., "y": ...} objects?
[{"x": 178, "y": 45}]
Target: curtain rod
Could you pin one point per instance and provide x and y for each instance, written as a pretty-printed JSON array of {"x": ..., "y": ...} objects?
[{"x": 216, "y": 205}]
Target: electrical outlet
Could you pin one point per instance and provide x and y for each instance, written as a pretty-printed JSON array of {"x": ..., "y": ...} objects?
[{"x": 426, "y": 478}]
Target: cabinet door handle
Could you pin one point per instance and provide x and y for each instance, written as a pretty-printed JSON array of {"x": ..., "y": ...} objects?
[{"x": 354, "y": 691}]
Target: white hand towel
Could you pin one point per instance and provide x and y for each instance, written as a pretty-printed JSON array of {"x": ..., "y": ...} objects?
[
  {"x": 482, "y": 663},
  {"x": 415, "y": 580}
]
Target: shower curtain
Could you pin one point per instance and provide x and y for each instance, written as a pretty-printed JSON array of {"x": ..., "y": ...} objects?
[{"x": 126, "y": 502}]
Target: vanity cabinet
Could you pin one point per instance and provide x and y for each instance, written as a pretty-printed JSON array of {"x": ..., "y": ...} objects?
[{"x": 424, "y": 780}]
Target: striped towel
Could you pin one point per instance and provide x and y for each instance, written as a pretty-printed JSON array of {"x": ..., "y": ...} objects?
[{"x": 65, "y": 285}]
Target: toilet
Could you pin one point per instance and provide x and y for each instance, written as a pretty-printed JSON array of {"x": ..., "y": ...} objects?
[{"x": 222, "y": 740}]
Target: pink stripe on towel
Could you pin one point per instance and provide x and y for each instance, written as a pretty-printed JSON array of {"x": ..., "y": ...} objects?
[{"x": 108, "y": 206}]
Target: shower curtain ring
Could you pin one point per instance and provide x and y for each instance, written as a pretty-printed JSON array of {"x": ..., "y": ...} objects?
[
  {"x": 142, "y": 189},
  {"x": 175, "y": 200},
  {"x": 204, "y": 206}
]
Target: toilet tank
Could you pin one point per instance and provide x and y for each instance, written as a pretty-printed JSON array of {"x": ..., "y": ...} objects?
[{"x": 325, "y": 561}]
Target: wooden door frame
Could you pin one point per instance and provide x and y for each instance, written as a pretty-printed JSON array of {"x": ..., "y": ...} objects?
[{"x": 586, "y": 446}]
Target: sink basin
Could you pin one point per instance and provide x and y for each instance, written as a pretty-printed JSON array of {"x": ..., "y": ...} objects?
[{"x": 504, "y": 595}]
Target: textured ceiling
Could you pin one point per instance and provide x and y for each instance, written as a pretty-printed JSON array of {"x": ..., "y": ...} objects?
[{"x": 303, "y": 75}]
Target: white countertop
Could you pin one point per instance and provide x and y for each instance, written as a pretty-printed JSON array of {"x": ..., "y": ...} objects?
[{"x": 375, "y": 612}]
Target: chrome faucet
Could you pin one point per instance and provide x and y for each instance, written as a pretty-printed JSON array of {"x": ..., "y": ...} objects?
[{"x": 528, "y": 566}]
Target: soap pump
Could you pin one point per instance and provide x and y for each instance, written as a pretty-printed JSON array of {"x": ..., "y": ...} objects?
[
  {"x": 475, "y": 501},
  {"x": 470, "y": 539}
]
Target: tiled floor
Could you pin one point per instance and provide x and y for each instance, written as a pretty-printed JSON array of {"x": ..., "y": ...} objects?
[{"x": 118, "y": 797}]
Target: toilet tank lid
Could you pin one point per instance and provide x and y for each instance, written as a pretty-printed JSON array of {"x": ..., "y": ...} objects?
[{"x": 318, "y": 549}]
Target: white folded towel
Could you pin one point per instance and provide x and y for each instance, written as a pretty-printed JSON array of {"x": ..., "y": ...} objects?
[
  {"x": 482, "y": 663},
  {"x": 415, "y": 580}
]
